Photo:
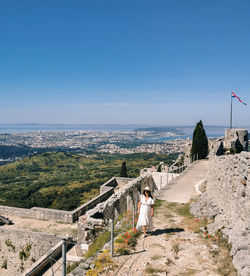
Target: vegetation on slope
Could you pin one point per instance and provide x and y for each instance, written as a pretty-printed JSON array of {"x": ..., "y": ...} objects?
[
  {"x": 199, "y": 142},
  {"x": 63, "y": 180}
]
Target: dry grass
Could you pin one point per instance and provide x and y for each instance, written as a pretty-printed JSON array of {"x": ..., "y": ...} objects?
[
  {"x": 220, "y": 254},
  {"x": 169, "y": 262},
  {"x": 225, "y": 266},
  {"x": 152, "y": 270},
  {"x": 175, "y": 249},
  {"x": 158, "y": 245},
  {"x": 188, "y": 272},
  {"x": 156, "y": 257}
]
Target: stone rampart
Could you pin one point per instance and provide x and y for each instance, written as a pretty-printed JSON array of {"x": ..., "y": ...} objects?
[
  {"x": 37, "y": 213},
  {"x": 236, "y": 138},
  {"x": 20, "y": 249},
  {"x": 106, "y": 190},
  {"x": 227, "y": 200},
  {"x": 117, "y": 204}
]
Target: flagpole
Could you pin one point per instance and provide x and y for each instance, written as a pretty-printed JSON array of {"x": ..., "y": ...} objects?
[{"x": 231, "y": 113}]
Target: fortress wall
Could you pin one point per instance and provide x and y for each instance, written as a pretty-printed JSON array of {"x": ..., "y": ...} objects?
[
  {"x": 13, "y": 241},
  {"x": 117, "y": 204},
  {"x": 106, "y": 190},
  {"x": 105, "y": 193},
  {"x": 37, "y": 213},
  {"x": 227, "y": 200}
]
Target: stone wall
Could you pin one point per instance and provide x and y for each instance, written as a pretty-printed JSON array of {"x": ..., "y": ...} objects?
[
  {"x": 106, "y": 190},
  {"x": 117, "y": 204},
  {"x": 236, "y": 138},
  {"x": 38, "y": 213},
  {"x": 227, "y": 200},
  {"x": 12, "y": 242}
]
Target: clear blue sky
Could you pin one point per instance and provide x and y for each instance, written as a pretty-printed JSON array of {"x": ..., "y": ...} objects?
[{"x": 144, "y": 62}]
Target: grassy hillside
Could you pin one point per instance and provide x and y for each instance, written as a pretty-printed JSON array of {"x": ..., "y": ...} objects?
[{"x": 64, "y": 181}]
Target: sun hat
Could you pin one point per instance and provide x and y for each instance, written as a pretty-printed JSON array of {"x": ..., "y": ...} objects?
[{"x": 147, "y": 189}]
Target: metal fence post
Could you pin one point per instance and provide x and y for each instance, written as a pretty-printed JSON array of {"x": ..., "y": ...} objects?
[
  {"x": 136, "y": 203},
  {"x": 64, "y": 257},
  {"x": 112, "y": 236},
  {"x": 133, "y": 216}
]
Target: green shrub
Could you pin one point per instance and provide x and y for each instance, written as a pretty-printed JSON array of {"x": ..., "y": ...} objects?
[
  {"x": 10, "y": 244},
  {"x": 98, "y": 243},
  {"x": 25, "y": 252},
  {"x": 123, "y": 251},
  {"x": 4, "y": 264}
]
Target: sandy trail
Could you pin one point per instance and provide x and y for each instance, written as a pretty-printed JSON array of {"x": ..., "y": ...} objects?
[
  {"x": 183, "y": 188},
  {"x": 175, "y": 247}
]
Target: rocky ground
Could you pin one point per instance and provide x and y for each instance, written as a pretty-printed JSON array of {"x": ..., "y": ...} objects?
[
  {"x": 10, "y": 262},
  {"x": 38, "y": 225},
  {"x": 176, "y": 247}
]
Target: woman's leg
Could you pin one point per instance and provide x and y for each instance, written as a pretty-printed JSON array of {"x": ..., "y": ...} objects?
[{"x": 144, "y": 229}]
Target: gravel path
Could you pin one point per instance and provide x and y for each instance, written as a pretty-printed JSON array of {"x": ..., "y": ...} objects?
[
  {"x": 176, "y": 247},
  {"x": 173, "y": 249},
  {"x": 183, "y": 188}
]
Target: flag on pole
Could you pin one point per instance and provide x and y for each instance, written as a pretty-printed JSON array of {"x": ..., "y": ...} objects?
[{"x": 235, "y": 96}]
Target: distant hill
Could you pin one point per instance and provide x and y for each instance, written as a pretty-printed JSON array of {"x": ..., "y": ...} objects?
[
  {"x": 162, "y": 129},
  {"x": 15, "y": 151},
  {"x": 62, "y": 180},
  {"x": 21, "y": 151},
  {"x": 187, "y": 130}
]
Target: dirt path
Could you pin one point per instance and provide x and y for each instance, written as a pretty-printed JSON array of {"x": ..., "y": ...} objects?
[
  {"x": 177, "y": 246},
  {"x": 183, "y": 188}
]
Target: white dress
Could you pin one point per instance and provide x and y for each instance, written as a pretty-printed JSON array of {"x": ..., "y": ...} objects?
[{"x": 145, "y": 218}]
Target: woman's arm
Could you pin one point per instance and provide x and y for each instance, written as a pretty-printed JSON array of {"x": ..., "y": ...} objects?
[
  {"x": 152, "y": 210},
  {"x": 138, "y": 208}
]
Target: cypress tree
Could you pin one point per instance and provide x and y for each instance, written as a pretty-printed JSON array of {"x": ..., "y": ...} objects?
[
  {"x": 200, "y": 142},
  {"x": 159, "y": 168},
  {"x": 124, "y": 171}
]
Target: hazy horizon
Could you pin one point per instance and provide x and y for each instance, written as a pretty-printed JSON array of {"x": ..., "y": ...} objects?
[{"x": 26, "y": 127}]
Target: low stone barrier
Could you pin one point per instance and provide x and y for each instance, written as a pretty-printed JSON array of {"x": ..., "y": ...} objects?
[{"x": 106, "y": 190}]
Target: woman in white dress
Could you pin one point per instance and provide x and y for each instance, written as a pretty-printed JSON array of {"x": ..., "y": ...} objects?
[{"x": 145, "y": 211}]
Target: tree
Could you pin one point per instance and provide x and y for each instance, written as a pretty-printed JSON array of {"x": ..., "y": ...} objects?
[
  {"x": 200, "y": 142},
  {"x": 124, "y": 171},
  {"x": 159, "y": 168}
]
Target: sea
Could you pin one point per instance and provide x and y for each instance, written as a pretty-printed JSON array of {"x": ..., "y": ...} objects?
[
  {"x": 182, "y": 132},
  {"x": 24, "y": 128}
]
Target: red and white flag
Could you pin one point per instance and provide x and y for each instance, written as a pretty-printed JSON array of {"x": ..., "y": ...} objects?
[{"x": 235, "y": 96}]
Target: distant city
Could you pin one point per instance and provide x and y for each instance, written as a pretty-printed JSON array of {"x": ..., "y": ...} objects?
[
  {"x": 185, "y": 130},
  {"x": 18, "y": 141}
]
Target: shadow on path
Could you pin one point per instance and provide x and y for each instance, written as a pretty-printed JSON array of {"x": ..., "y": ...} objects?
[
  {"x": 158, "y": 232},
  {"x": 131, "y": 253}
]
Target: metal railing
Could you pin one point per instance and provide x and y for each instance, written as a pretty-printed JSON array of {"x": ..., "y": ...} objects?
[{"x": 194, "y": 157}]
